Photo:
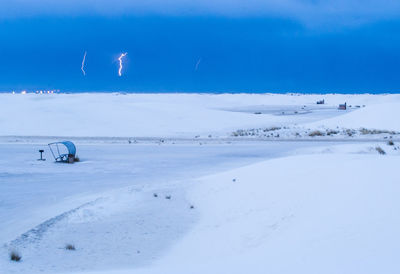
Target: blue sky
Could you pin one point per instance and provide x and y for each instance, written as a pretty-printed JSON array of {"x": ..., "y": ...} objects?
[{"x": 243, "y": 46}]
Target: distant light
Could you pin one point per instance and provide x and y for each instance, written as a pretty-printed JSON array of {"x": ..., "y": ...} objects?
[
  {"x": 23, "y": 92},
  {"x": 13, "y": 92}
]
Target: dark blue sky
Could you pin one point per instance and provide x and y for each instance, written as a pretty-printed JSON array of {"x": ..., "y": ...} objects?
[{"x": 238, "y": 54}]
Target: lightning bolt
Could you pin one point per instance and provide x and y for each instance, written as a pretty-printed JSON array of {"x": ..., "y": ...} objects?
[
  {"x": 120, "y": 63},
  {"x": 197, "y": 64},
  {"x": 83, "y": 64}
]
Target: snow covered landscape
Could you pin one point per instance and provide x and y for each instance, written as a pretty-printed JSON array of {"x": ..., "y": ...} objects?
[{"x": 200, "y": 183}]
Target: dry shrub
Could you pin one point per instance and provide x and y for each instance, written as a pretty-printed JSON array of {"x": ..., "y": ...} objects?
[
  {"x": 316, "y": 133},
  {"x": 380, "y": 150},
  {"x": 14, "y": 256},
  {"x": 69, "y": 247}
]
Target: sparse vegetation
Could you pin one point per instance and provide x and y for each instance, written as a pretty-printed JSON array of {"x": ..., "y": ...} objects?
[
  {"x": 239, "y": 132},
  {"x": 350, "y": 132},
  {"x": 331, "y": 132},
  {"x": 316, "y": 133},
  {"x": 380, "y": 150},
  {"x": 277, "y": 132},
  {"x": 168, "y": 197},
  {"x": 272, "y": 129},
  {"x": 366, "y": 131},
  {"x": 69, "y": 247},
  {"x": 390, "y": 143},
  {"x": 14, "y": 256}
]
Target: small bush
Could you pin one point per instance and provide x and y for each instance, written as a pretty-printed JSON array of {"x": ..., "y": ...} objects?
[
  {"x": 168, "y": 197},
  {"x": 14, "y": 256},
  {"x": 315, "y": 133},
  {"x": 380, "y": 150},
  {"x": 155, "y": 195},
  {"x": 332, "y": 132},
  {"x": 350, "y": 132},
  {"x": 69, "y": 247},
  {"x": 390, "y": 143}
]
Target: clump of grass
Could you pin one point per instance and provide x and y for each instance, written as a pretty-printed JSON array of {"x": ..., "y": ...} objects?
[
  {"x": 14, "y": 256},
  {"x": 69, "y": 247},
  {"x": 168, "y": 197},
  {"x": 316, "y": 133},
  {"x": 155, "y": 195},
  {"x": 380, "y": 150},
  {"x": 192, "y": 207},
  {"x": 390, "y": 143}
]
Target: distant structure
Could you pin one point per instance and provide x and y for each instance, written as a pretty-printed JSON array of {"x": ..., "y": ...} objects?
[
  {"x": 64, "y": 152},
  {"x": 41, "y": 155},
  {"x": 343, "y": 106},
  {"x": 321, "y": 102}
]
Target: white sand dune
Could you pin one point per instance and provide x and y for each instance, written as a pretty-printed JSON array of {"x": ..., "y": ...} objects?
[
  {"x": 301, "y": 214},
  {"x": 198, "y": 207},
  {"x": 379, "y": 116},
  {"x": 178, "y": 115}
]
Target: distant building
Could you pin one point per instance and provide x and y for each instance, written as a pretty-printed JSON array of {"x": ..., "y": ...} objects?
[
  {"x": 343, "y": 106},
  {"x": 321, "y": 102}
]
